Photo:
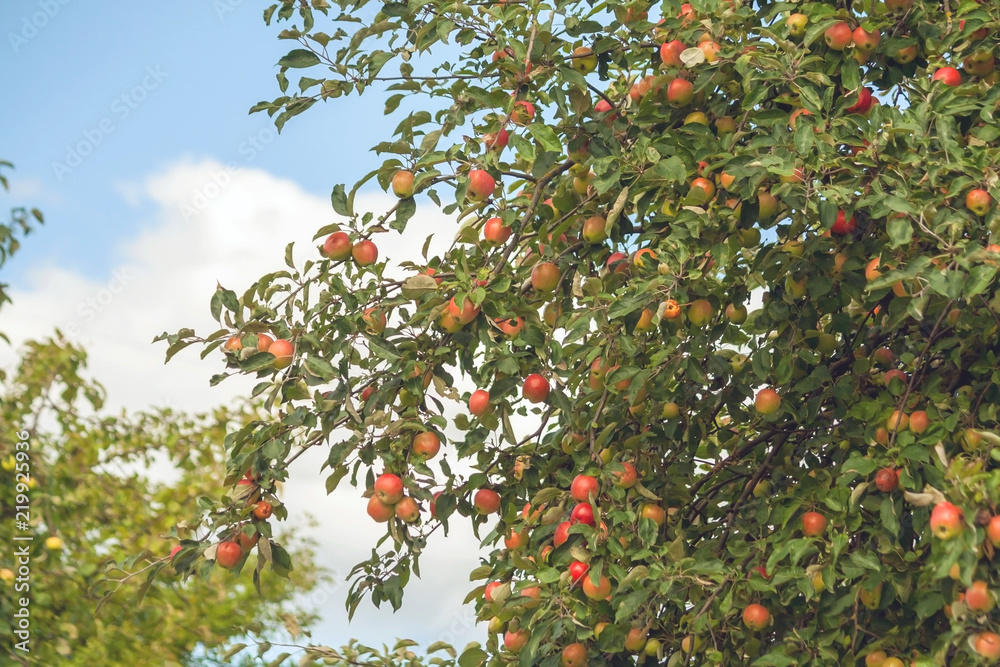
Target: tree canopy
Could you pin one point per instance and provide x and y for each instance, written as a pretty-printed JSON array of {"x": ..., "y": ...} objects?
[{"x": 725, "y": 284}]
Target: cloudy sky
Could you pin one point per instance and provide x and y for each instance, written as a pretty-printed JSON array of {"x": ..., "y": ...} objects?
[{"x": 128, "y": 126}]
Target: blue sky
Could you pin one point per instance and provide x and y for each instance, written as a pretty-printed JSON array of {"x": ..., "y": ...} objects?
[
  {"x": 147, "y": 84},
  {"x": 157, "y": 96}
]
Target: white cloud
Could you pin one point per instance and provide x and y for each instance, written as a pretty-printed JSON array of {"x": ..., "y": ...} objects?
[{"x": 162, "y": 280}]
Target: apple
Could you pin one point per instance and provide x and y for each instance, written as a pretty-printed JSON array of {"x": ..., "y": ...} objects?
[
  {"x": 173, "y": 552},
  {"x": 838, "y": 36},
  {"x": 887, "y": 480},
  {"x": 574, "y": 655},
  {"x": 522, "y": 113},
  {"x": 593, "y": 230},
  {"x": 53, "y": 543},
  {"x": 813, "y": 524},
  {"x": 481, "y": 185},
  {"x": 583, "y": 59},
  {"x": 496, "y": 141},
  {"x": 577, "y": 570},
  {"x": 883, "y": 356},
  {"x": 864, "y": 40},
  {"x": 562, "y": 533},
  {"x": 978, "y": 201},
  {"x": 919, "y": 421},
  {"x": 510, "y": 326},
  {"x": 365, "y": 253},
  {"x": 262, "y": 510},
  {"x": 700, "y": 312},
  {"x": 468, "y": 312},
  {"x": 407, "y": 510},
  {"x": 536, "y": 388},
  {"x": 767, "y": 401},
  {"x": 583, "y": 513},
  {"x": 898, "y": 421},
  {"x": 583, "y": 486},
  {"x": 635, "y": 640},
  {"x": 702, "y": 189},
  {"x": 756, "y": 617},
  {"x": 545, "y": 277},
  {"x": 711, "y": 51},
  {"x": 670, "y": 53},
  {"x": 426, "y": 444},
  {"x": 894, "y": 373},
  {"x": 597, "y": 591},
  {"x": 379, "y": 510},
  {"x": 863, "y": 104},
  {"x": 980, "y": 63},
  {"x": 736, "y": 314},
  {"x": 514, "y": 540},
  {"x": 388, "y": 488},
  {"x": 337, "y": 246},
  {"x": 402, "y": 184},
  {"x": 264, "y": 342},
  {"x": 626, "y": 478},
  {"x": 374, "y": 320},
  {"x": 671, "y": 310},
  {"x": 796, "y": 24},
  {"x": 882, "y": 435},
  {"x": 486, "y": 501},
  {"x": 905, "y": 55},
  {"x": 490, "y": 587},
  {"x": 949, "y": 76},
  {"x": 875, "y": 659},
  {"x": 515, "y": 641},
  {"x": 987, "y": 644},
  {"x": 617, "y": 262},
  {"x": 993, "y": 531},
  {"x": 680, "y": 92},
  {"x": 978, "y": 597},
  {"x": 282, "y": 351},
  {"x": 228, "y": 554},
  {"x": 767, "y": 205},
  {"x": 654, "y": 513},
  {"x": 842, "y": 226},
  {"x": 947, "y": 521},
  {"x": 687, "y": 13},
  {"x": 495, "y": 232}
]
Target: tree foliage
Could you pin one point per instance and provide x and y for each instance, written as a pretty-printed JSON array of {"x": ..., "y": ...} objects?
[
  {"x": 102, "y": 526},
  {"x": 837, "y": 251}
]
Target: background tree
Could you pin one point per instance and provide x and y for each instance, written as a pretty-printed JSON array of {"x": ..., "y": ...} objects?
[
  {"x": 92, "y": 501},
  {"x": 726, "y": 284}
]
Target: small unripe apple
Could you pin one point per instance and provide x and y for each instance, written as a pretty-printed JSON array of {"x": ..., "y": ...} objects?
[
  {"x": 796, "y": 24},
  {"x": 583, "y": 59},
  {"x": 700, "y": 312},
  {"x": 402, "y": 184}
]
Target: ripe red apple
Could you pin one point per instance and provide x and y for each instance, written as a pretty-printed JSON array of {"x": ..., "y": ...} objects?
[
  {"x": 993, "y": 531},
  {"x": 796, "y": 24},
  {"x": 599, "y": 591},
  {"x": 898, "y": 421},
  {"x": 706, "y": 187},
  {"x": 337, "y": 246},
  {"x": 283, "y": 352},
  {"x": 365, "y": 253},
  {"x": 494, "y": 231},
  {"x": 407, "y": 510},
  {"x": 574, "y": 655},
  {"x": 486, "y": 501},
  {"x": 680, "y": 92},
  {"x": 756, "y": 617},
  {"x": 987, "y": 644},
  {"x": 919, "y": 421},
  {"x": 978, "y": 201},
  {"x": 577, "y": 570},
  {"x": 378, "y": 510},
  {"x": 522, "y": 113},
  {"x": 490, "y": 587},
  {"x": 511, "y": 327},
  {"x": 583, "y": 486},
  {"x": 402, "y": 184},
  {"x": 618, "y": 262},
  {"x": 635, "y": 640},
  {"x": 863, "y": 104},
  {"x": 481, "y": 185},
  {"x": 427, "y": 444},
  {"x": 949, "y": 76},
  {"x": 545, "y": 277},
  {"x": 479, "y": 402},
  {"x": 978, "y": 597},
  {"x": 947, "y": 521},
  {"x": 515, "y": 641},
  {"x": 670, "y": 53},
  {"x": 842, "y": 226},
  {"x": 388, "y": 488},
  {"x": 515, "y": 540},
  {"x": 561, "y": 534},
  {"x": 813, "y": 524},
  {"x": 262, "y": 510},
  {"x": 536, "y": 388},
  {"x": 864, "y": 40},
  {"x": 174, "y": 551},
  {"x": 228, "y": 554},
  {"x": 496, "y": 141},
  {"x": 887, "y": 480},
  {"x": 653, "y": 512},
  {"x": 468, "y": 312},
  {"x": 838, "y": 36},
  {"x": 593, "y": 230},
  {"x": 583, "y": 513},
  {"x": 883, "y": 356},
  {"x": 767, "y": 401},
  {"x": 626, "y": 478},
  {"x": 889, "y": 375}
]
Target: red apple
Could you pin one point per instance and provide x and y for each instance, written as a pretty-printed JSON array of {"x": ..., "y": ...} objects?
[
  {"x": 511, "y": 326},
  {"x": 654, "y": 513},
  {"x": 545, "y": 277},
  {"x": 670, "y": 53},
  {"x": 842, "y": 226},
  {"x": 978, "y": 597},
  {"x": 337, "y": 246},
  {"x": 468, "y": 312},
  {"x": 283, "y": 351},
  {"x": 228, "y": 554},
  {"x": 887, "y": 480},
  {"x": 919, "y": 421},
  {"x": 949, "y": 76},
  {"x": 494, "y": 231},
  {"x": 427, "y": 444},
  {"x": 496, "y": 141},
  {"x": 947, "y": 521},
  {"x": 756, "y": 617},
  {"x": 479, "y": 402},
  {"x": 838, "y": 36},
  {"x": 680, "y": 92},
  {"x": 561, "y": 534},
  {"x": 863, "y": 104},
  {"x": 583, "y": 486},
  {"x": 574, "y": 655},
  {"x": 577, "y": 570},
  {"x": 813, "y": 524},
  {"x": 536, "y": 388},
  {"x": 599, "y": 591},
  {"x": 978, "y": 201},
  {"x": 767, "y": 401},
  {"x": 515, "y": 641},
  {"x": 481, "y": 185},
  {"x": 522, "y": 113},
  {"x": 402, "y": 184},
  {"x": 374, "y": 320},
  {"x": 583, "y": 513},
  {"x": 987, "y": 644},
  {"x": 864, "y": 40},
  {"x": 486, "y": 501},
  {"x": 365, "y": 253},
  {"x": 378, "y": 510},
  {"x": 407, "y": 510},
  {"x": 388, "y": 488},
  {"x": 593, "y": 230},
  {"x": 993, "y": 531},
  {"x": 626, "y": 478}
]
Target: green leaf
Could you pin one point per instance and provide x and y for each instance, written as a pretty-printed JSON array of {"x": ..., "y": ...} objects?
[
  {"x": 900, "y": 231},
  {"x": 980, "y": 277},
  {"x": 544, "y": 135},
  {"x": 299, "y": 58}
]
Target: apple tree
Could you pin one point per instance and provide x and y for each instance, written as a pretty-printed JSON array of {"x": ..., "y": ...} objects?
[
  {"x": 103, "y": 528},
  {"x": 712, "y": 361}
]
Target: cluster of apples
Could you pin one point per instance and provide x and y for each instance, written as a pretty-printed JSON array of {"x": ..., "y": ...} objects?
[
  {"x": 338, "y": 247},
  {"x": 283, "y": 350},
  {"x": 229, "y": 553}
]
